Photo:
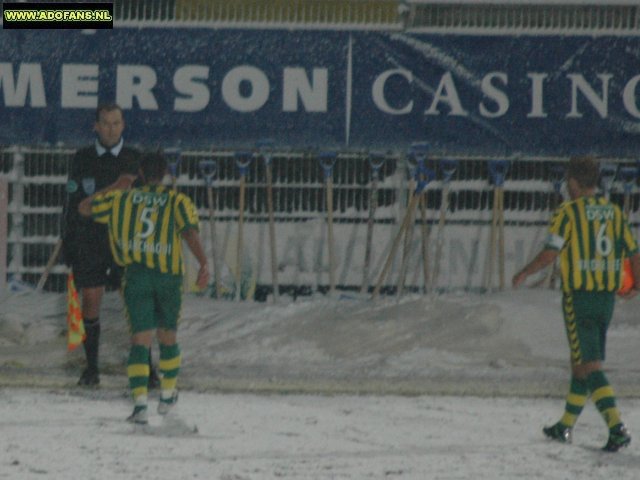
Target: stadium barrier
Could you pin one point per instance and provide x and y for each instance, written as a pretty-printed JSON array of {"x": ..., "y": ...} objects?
[
  {"x": 538, "y": 17},
  {"x": 419, "y": 15},
  {"x": 37, "y": 177}
]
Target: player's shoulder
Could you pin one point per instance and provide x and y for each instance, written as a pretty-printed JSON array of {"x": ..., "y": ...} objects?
[
  {"x": 109, "y": 195},
  {"x": 184, "y": 201},
  {"x": 565, "y": 206},
  {"x": 180, "y": 196},
  {"x": 584, "y": 202},
  {"x": 603, "y": 202}
]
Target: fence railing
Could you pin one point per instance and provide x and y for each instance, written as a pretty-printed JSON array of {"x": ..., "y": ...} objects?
[
  {"x": 391, "y": 14},
  {"x": 420, "y": 15},
  {"x": 37, "y": 178},
  {"x": 352, "y": 13},
  {"x": 521, "y": 17}
]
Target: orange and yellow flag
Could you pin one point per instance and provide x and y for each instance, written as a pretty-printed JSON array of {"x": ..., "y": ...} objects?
[{"x": 75, "y": 325}]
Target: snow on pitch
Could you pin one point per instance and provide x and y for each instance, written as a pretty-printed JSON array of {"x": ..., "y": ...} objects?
[{"x": 504, "y": 352}]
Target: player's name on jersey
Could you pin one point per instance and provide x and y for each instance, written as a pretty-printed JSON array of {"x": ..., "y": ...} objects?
[
  {"x": 136, "y": 245},
  {"x": 599, "y": 212},
  {"x": 149, "y": 199},
  {"x": 600, "y": 265}
]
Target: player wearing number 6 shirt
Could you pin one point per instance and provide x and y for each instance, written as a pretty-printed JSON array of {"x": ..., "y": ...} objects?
[
  {"x": 592, "y": 238},
  {"x": 146, "y": 226}
]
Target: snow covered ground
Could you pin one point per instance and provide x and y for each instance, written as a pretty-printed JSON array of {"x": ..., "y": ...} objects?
[
  {"x": 70, "y": 435},
  {"x": 430, "y": 387}
]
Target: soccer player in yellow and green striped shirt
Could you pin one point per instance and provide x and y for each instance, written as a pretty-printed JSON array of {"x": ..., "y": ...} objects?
[
  {"x": 146, "y": 226},
  {"x": 592, "y": 238}
]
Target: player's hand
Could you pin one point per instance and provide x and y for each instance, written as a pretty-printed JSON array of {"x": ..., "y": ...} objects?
[
  {"x": 518, "y": 279},
  {"x": 630, "y": 294},
  {"x": 203, "y": 277}
]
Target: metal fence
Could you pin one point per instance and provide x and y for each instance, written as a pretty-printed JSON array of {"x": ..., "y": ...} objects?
[
  {"x": 531, "y": 17},
  {"x": 420, "y": 15},
  {"x": 37, "y": 178},
  {"x": 392, "y": 14}
]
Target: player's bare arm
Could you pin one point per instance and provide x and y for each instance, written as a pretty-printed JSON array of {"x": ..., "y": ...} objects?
[
  {"x": 545, "y": 258},
  {"x": 123, "y": 182},
  {"x": 193, "y": 242}
]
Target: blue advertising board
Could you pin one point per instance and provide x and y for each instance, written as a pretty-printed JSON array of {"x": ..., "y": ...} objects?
[{"x": 534, "y": 95}]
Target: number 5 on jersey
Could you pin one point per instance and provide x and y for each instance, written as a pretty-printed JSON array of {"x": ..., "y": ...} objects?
[{"x": 148, "y": 225}]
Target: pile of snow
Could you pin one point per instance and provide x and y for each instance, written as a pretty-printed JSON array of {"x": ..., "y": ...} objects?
[{"x": 510, "y": 342}]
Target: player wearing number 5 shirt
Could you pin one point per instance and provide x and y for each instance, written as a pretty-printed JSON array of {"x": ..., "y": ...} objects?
[{"x": 146, "y": 226}]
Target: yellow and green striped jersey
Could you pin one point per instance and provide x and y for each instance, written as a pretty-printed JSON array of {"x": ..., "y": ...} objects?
[
  {"x": 593, "y": 237},
  {"x": 145, "y": 225}
]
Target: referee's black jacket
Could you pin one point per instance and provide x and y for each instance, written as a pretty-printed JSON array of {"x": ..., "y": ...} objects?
[{"x": 90, "y": 172}]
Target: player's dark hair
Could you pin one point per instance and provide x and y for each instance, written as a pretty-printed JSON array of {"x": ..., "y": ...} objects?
[
  {"x": 584, "y": 170},
  {"x": 153, "y": 166},
  {"x": 107, "y": 107}
]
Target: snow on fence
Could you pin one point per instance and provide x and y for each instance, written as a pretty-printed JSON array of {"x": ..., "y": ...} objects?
[{"x": 37, "y": 176}]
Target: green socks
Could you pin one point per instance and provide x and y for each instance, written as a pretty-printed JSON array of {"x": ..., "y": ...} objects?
[
  {"x": 602, "y": 395},
  {"x": 604, "y": 398},
  {"x": 576, "y": 400},
  {"x": 138, "y": 372},
  {"x": 170, "y": 360}
]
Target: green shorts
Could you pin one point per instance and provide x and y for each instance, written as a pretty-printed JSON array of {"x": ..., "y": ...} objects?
[
  {"x": 586, "y": 317},
  {"x": 152, "y": 299}
]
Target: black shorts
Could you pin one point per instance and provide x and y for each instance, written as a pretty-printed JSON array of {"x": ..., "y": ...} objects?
[{"x": 93, "y": 266}]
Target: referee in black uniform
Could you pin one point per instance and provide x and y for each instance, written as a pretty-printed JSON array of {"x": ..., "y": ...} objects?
[{"x": 85, "y": 243}]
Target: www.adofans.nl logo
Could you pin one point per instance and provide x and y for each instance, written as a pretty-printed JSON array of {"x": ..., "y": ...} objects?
[{"x": 49, "y": 15}]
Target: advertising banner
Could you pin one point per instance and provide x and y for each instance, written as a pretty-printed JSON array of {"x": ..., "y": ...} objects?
[{"x": 198, "y": 88}]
